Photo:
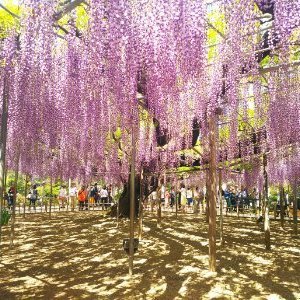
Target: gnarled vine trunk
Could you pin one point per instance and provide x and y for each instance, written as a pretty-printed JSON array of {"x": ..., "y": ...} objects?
[{"x": 124, "y": 201}]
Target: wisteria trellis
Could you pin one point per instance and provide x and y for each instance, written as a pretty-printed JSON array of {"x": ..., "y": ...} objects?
[{"x": 68, "y": 96}]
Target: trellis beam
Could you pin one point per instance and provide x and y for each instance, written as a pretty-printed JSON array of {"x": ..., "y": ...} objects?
[
  {"x": 215, "y": 29},
  {"x": 9, "y": 11},
  {"x": 277, "y": 67},
  {"x": 68, "y": 8}
]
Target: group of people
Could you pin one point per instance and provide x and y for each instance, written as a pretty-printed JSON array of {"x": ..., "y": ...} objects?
[
  {"x": 11, "y": 194},
  {"x": 235, "y": 198},
  {"x": 93, "y": 196},
  {"x": 194, "y": 198},
  {"x": 187, "y": 197},
  {"x": 84, "y": 197}
]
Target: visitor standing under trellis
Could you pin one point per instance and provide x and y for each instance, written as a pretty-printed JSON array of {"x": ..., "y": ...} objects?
[
  {"x": 83, "y": 198},
  {"x": 104, "y": 197},
  {"x": 10, "y": 196},
  {"x": 33, "y": 196}
]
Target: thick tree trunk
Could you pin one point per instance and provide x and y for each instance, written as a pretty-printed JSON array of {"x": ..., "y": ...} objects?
[
  {"x": 124, "y": 203},
  {"x": 212, "y": 194},
  {"x": 123, "y": 210}
]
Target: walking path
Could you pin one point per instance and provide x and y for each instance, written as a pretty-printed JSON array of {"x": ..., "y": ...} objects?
[{"x": 79, "y": 255}]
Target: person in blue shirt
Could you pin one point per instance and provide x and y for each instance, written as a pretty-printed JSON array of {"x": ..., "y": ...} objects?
[{"x": 228, "y": 197}]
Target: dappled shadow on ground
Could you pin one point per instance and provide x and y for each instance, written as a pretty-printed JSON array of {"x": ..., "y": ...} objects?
[{"x": 80, "y": 256}]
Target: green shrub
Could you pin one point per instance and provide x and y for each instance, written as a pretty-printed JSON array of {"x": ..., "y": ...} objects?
[{"x": 5, "y": 216}]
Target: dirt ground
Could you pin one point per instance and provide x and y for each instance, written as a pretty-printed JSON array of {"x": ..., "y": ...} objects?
[{"x": 79, "y": 255}]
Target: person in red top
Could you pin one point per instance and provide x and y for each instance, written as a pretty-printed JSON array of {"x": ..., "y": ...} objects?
[{"x": 83, "y": 198}]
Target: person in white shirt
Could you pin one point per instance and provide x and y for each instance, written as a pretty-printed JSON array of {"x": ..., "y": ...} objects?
[
  {"x": 162, "y": 194},
  {"x": 73, "y": 196},
  {"x": 183, "y": 198},
  {"x": 196, "y": 198},
  {"x": 189, "y": 196},
  {"x": 104, "y": 197},
  {"x": 62, "y": 196},
  {"x": 153, "y": 199}
]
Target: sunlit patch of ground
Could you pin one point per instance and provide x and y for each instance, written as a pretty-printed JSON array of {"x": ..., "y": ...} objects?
[{"x": 80, "y": 256}]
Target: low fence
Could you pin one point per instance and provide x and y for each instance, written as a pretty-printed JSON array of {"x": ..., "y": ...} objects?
[
  {"x": 236, "y": 206},
  {"x": 54, "y": 204}
]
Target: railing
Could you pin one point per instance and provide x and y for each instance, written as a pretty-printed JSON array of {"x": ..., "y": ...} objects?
[
  {"x": 53, "y": 205},
  {"x": 236, "y": 206}
]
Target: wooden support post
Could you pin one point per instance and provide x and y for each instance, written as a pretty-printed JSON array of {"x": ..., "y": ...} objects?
[
  {"x": 206, "y": 197},
  {"x": 164, "y": 192},
  {"x": 51, "y": 191},
  {"x": 295, "y": 209},
  {"x": 263, "y": 208},
  {"x": 141, "y": 206},
  {"x": 69, "y": 197},
  {"x": 266, "y": 205},
  {"x": 258, "y": 208},
  {"x": 159, "y": 207},
  {"x": 281, "y": 193},
  {"x": 212, "y": 194},
  {"x": 221, "y": 207},
  {"x": 132, "y": 202},
  {"x": 5, "y": 179},
  {"x": 43, "y": 196},
  {"x": 3, "y": 138},
  {"x": 118, "y": 211},
  {"x": 25, "y": 197},
  {"x": 102, "y": 202},
  {"x": 12, "y": 228},
  {"x": 176, "y": 198}
]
